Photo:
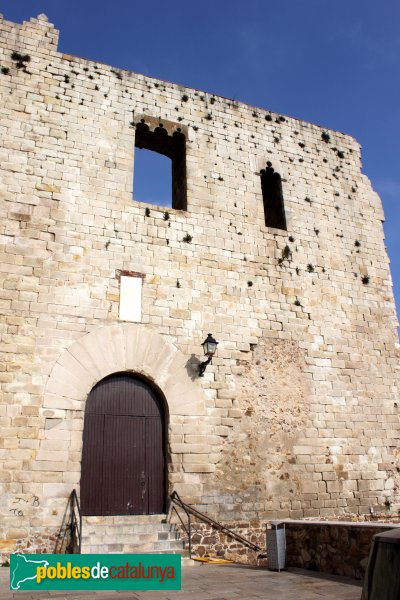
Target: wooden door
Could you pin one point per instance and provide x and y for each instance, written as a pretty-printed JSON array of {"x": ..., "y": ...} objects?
[{"x": 123, "y": 454}]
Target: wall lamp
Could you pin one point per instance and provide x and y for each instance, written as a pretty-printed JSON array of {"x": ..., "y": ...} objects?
[{"x": 209, "y": 347}]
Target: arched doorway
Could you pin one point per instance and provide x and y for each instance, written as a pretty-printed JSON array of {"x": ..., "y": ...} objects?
[{"x": 123, "y": 454}]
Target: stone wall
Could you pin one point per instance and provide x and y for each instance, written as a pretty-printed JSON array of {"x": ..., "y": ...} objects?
[
  {"x": 29, "y": 540},
  {"x": 332, "y": 547},
  {"x": 298, "y": 413},
  {"x": 212, "y": 543}
]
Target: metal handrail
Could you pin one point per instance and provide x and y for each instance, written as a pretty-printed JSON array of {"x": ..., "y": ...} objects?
[
  {"x": 188, "y": 529},
  {"x": 76, "y": 521},
  {"x": 72, "y": 524},
  {"x": 175, "y": 498},
  {"x": 60, "y": 539}
]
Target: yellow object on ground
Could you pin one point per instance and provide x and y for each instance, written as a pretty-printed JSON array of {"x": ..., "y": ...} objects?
[{"x": 214, "y": 561}]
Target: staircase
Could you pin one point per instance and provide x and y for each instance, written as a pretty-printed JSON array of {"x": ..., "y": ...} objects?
[{"x": 131, "y": 534}]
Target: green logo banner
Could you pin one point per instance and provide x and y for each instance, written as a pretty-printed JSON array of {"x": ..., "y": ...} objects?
[{"x": 95, "y": 572}]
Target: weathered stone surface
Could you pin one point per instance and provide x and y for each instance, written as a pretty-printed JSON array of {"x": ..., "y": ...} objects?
[
  {"x": 298, "y": 413},
  {"x": 338, "y": 548}
]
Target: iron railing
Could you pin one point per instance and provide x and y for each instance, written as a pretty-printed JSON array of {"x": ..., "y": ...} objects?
[
  {"x": 69, "y": 538},
  {"x": 75, "y": 523},
  {"x": 190, "y": 510}
]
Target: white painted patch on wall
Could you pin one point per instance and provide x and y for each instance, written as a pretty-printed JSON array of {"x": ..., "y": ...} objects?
[{"x": 130, "y": 299}]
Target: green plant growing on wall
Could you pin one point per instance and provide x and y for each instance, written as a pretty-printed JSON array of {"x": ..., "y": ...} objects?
[{"x": 188, "y": 238}]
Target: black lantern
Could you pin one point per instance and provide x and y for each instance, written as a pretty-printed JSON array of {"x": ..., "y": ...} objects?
[{"x": 209, "y": 347}]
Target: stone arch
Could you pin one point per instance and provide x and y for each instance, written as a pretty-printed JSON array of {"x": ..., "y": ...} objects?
[{"x": 117, "y": 348}]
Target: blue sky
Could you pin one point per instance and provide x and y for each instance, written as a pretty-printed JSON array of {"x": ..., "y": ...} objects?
[{"x": 336, "y": 64}]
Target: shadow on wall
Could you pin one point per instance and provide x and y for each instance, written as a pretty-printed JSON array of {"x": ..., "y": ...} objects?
[{"x": 192, "y": 367}]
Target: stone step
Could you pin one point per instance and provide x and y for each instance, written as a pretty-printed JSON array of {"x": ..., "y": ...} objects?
[
  {"x": 126, "y": 549},
  {"x": 173, "y": 547},
  {"x": 131, "y": 534},
  {"x": 120, "y": 519},
  {"x": 152, "y": 528},
  {"x": 121, "y": 538}
]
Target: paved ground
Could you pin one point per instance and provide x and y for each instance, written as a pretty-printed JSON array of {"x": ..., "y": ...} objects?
[{"x": 222, "y": 582}]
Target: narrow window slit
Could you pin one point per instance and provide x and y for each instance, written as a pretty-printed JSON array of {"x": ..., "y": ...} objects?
[{"x": 274, "y": 210}]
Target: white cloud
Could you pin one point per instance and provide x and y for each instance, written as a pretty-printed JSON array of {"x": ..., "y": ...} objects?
[{"x": 388, "y": 187}]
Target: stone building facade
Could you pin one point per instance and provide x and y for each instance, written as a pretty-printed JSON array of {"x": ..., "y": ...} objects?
[{"x": 274, "y": 243}]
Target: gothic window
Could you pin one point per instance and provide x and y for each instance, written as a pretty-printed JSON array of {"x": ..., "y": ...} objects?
[{"x": 160, "y": 147}]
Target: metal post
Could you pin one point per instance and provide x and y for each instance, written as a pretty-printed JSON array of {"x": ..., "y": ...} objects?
[
  {"x": 190, "y": 536},
  {"x": 72, "y": 542},
  {"x": 80, "y": 532}
]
